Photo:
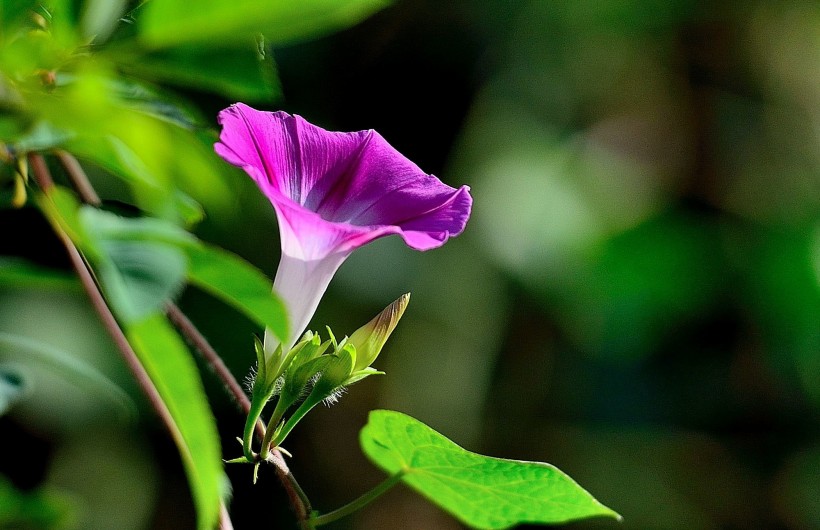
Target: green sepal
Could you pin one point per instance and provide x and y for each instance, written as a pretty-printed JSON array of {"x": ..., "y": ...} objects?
[
  {"x": 357, "y": 376},
  {"x": 336, "y": 371},
  {"x": 296, "y": 381},
  {"x": 261, "y": 365},
  {"x": 238, "y": 460},
  {"x": 309, "y": 349}
]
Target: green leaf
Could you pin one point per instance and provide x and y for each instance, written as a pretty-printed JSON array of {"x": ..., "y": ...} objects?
[
  {"x": 140, "y": 264},
  {"x": 12, "y": 387},
  {"x": 42, "y": 508},
  {"x": 481, "y": 491},
  {"x": 25, "y": 351},
  {"x": 238, "y": 72},
  {"x": 13, "y": 12},
  {"x": 148, "y": 100},
  {"x": 41, "y": 136},
  {"x": 62, "y": 209},
  {"x": 19, "y": 273},
  {"x": 215, "y": 22},
  {"x": 139, "y": 278},
  {"x": 238, "y": 283},
  {"x": 100, "y": 17},
  {"x": 107, "y": 227},
  {"x": 171, "y": 368}
]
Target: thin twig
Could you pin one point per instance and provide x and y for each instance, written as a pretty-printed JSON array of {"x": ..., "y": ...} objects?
[
  {"x": 109, "y": 322},
  {"x": 297, "y": 497},
  {"x": 44, "y": 180},
  {"x": 79, "y": 179},
  {"x": 190, "y": 331}
]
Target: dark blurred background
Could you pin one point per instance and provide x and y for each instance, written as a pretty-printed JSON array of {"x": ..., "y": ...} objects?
[{"x": 636, "y": 298}]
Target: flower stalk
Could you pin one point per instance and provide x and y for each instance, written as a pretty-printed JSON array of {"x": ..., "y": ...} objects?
[{"x": 358, "y": 503}]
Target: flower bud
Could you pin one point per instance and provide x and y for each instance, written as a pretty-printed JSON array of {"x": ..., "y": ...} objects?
[{"x": 370, "y": 338}]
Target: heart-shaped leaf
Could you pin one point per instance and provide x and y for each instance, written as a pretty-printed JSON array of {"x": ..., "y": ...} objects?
[{"x": 481, "y": 491}]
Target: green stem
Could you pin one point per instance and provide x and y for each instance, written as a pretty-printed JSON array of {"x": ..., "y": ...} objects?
[
  {"x": 300, "y": 413},
  {"x": 270, "y": 430},
  {"x": 359, "y": 503},
  {"x": 254, "y": 412}
]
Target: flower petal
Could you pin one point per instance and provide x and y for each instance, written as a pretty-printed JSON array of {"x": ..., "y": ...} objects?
[{"x": 334, "y": 192}]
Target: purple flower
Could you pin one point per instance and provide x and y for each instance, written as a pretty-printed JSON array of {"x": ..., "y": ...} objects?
[{"x": 334, "y": 192}]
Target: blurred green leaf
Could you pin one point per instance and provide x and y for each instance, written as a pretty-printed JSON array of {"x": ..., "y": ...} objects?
[
  {"x": 162, "y": 105},
  {"x": 140, "y": 265},
  {"x": 19, "y": 273},
  {"x": 173, "y": 371},
  {"x": 139, "y": 278},
  {"x": 12, "y": 12},
  {"x": 215, "y": 22},
  {"x": 10, "y": 126},
  {"x": 238, "y": 283},
  {"x": 12, "y": 387},
  {"x": 100, "y": 17},
  {"x": 106, "y": 226},
  {"x": 634, "y": 294},
  {"x": 62, "y": 209},
  {"x": 481, "y": 491},
  {"x": 40, "y": 137},
  {"x": 36, "y": 509},
  {"x": 785, "y": 296},
  {"x": 26, "y": 351},
  {"x": 237, "y": 73}
]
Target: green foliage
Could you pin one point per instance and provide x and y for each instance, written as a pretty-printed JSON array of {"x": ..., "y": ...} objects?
[
  {"x": 171, "y": 368},
  {"x": 174, "y": 22},
  {"x": 237, "y": 283},
  {"x": 17, "y": 353},
  {"x": 481, "y": 491},
  {"x": 240, "y": 73},
  {"x": 100, "y": 17},
  {"x": 144, "y": 262},
  {"x": 19, "y": 274},
  {"x": 37, "y": 509},
  {"x": 139, "y": 262},
  {"x": 12, "y": 387}
]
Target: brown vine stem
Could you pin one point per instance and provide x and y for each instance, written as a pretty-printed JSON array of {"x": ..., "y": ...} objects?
[
  {"x": 190, "y": 331},
  {"x": 109, "y": 322},
  {"x": 296, "y": 496}
]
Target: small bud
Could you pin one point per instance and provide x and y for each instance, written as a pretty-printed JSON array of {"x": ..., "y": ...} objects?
[{"x": 370, "y": 338}]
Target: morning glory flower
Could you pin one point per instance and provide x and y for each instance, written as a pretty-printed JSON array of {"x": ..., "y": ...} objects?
[{"x": 334, "y": 192}]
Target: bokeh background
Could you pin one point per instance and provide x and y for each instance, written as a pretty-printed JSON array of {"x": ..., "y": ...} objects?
[{"x": 636, "y": 298}]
